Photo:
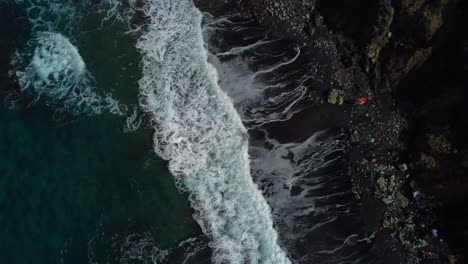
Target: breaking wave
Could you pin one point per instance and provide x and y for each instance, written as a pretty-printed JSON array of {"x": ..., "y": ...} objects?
[
  {"x": 51, "y": 69},
  {"x": 199, "y": 131}
]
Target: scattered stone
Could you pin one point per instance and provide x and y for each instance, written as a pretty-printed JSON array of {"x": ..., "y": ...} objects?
[
  {"x": 393, "y": 183},
  {"x": 428, "y": 161},
  {"x": 402, "y": 200},
  {"x": 380, "y": 169},
  {"x": 386, "y": 223},
  {"x": 439, "y": 143},
  {"x": 373, "y": 52},
  {"x": 403, "y": 167},
  {"x": 387, "y": 200},
  {"x": 382, "y": 184}
]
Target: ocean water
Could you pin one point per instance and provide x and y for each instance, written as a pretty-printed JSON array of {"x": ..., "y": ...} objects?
[
  {"x": 74, "y": 192},
  {"x": 76, "y": 186},
  {"x": 158, "y": 131}
]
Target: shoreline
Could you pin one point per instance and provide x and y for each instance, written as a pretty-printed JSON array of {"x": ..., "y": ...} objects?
[{"x": 391, "y": 163}]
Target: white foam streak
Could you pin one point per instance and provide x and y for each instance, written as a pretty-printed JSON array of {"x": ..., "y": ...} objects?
[
  {"x": 279, "y": 65},
  {"x": 142, "y": 249},
  {"x": 253, "y": 97},
  {"x": 200, "y": 133},
  {"x": 286, "y": 169},
  {"x": 240, "y": 50},
  {"x": 265, "y": 94}
]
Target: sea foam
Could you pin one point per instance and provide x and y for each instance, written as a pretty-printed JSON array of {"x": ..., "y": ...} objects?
[
  {"x": 268, "y": 79},
  {"x": 51, "y": 69},
  {"x": 48, "y": 15},
  {"x": 200, "y": 133}
]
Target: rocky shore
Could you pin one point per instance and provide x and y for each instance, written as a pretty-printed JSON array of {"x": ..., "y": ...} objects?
[{"x": 403, "y": 64}]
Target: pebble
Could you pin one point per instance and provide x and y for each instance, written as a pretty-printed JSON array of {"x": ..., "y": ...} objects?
[
  {"x": 403, "y": 167},
  {"x": 403, "y": 200},
  {"x": 382, "y": 184},
  {"x": 387, "y": 200}
]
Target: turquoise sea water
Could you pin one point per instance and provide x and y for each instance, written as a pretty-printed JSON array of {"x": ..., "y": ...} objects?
[
  {"x": 74, "y": 188},
  {"x": 78, "y": 189}
]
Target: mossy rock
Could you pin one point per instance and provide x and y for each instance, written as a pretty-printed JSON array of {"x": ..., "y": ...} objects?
[
  {"x": 433, "y": 18},
  {"x": 382, "y": 183},
  {"x": 402, "y": 200},
  {"x": 373, "y": 52},
  {"x": 428, "y": 161},
  {"x": 439, "y": 143},
  {"x": 336, "y": 97}
]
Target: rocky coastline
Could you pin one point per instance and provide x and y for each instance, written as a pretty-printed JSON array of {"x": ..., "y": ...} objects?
[{"x": 403, "y": 64}]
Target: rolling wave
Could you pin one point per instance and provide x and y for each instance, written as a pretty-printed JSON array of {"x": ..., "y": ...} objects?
[{"x": 201, "y": 135}]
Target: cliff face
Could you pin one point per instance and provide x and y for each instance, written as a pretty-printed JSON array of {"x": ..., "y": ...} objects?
[
  {"x": 386, "y": 39},
  {"x": 410, "y": 58}
]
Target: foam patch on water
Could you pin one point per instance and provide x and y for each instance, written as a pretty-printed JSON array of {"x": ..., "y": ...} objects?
[
  {"x": 51, "y": 69},
  {"x": 122, "y": 11},
  {"x": 48, "y": 15},
  {"x": 200, "y": 133},
  {"x": 142, "y": 248}
]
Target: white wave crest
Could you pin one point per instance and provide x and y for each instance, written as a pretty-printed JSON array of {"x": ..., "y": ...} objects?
[
  {"x": 51, "y": 69},
  {"x": 200, "y": 133}
]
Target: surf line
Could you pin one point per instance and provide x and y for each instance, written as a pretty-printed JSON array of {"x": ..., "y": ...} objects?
[{"x": 199, "y": 132}]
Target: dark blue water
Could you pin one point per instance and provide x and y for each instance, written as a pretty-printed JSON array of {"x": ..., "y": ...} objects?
[{"x": 78, "y": 189}]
